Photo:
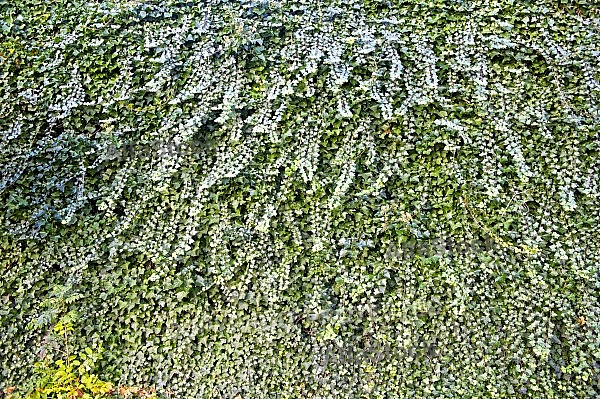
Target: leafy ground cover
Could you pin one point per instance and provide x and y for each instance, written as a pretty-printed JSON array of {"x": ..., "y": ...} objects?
[{"x": 288, "y": 199}]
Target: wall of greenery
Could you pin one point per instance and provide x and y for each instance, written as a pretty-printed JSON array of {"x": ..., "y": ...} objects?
[{"x": 219, "y": 185}]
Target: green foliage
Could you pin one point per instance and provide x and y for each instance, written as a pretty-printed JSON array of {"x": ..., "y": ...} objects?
[
  {"x": 342, "y": 131},
  {"x": 62, "y": 374},
  {"x": 68, "y": 375}
]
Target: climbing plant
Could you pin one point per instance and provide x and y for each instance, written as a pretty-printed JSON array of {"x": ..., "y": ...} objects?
[{"x": 248, "y": 194}]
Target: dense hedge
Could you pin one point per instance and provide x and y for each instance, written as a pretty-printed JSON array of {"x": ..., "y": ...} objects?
[{"x": 288, "y": 199}]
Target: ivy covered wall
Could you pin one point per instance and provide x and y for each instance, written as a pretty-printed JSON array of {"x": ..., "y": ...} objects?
[{"x": 285, "y": 199}]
